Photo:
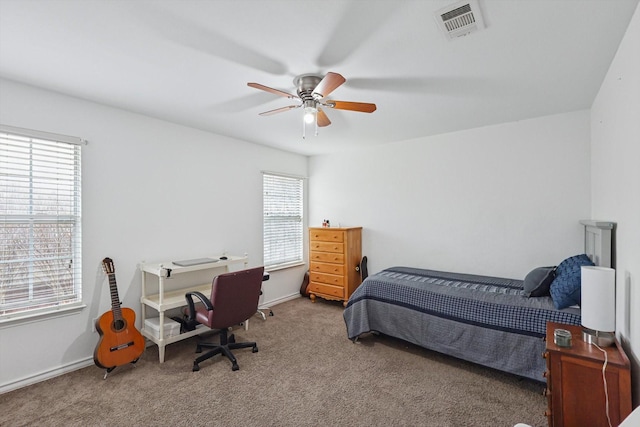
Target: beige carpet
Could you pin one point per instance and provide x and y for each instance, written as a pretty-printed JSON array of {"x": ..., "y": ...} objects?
[{"x": 306, "y": 373}]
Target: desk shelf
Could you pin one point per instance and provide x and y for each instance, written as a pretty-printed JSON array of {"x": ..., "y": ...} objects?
[
  {"x": 174, "y": 299},
  {"x": 158, "y": 298}
]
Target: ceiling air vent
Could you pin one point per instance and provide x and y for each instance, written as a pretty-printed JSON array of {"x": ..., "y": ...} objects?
[{"x": 460, "y": 19}]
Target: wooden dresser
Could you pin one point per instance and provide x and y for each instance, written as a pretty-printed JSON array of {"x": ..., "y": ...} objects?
[
  {"x": 334, "y": 259},
  {"x": 575, "y": 387}
]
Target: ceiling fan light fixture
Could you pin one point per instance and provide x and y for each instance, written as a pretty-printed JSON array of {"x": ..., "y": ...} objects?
[
  {"x": 310, "y": 111},
  {"x": 309, "y": 117}
]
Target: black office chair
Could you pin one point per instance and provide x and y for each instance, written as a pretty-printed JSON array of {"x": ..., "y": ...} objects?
[{"x": 234, "y": 299}]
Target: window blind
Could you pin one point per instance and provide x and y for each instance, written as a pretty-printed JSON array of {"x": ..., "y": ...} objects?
[
  {"x": 282, "y": 220},
  {"x": 40, "y": 226}
]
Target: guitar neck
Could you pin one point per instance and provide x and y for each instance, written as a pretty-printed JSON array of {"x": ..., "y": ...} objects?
[{"x": 115, "y": 299}]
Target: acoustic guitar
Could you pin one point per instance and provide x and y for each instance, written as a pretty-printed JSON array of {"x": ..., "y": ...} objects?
[{"x": 120, "y": 342}]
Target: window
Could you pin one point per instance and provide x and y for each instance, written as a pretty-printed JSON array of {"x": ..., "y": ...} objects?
[
  {"x": 282, "y": 218},
  {"x": 40, "y": 236}
]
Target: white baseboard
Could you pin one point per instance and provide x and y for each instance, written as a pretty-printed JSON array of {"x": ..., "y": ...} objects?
[
  {"x": 43, "y": 376},
  {"x": 74, "y": 366},
  {"x": 280, "y": 300}
]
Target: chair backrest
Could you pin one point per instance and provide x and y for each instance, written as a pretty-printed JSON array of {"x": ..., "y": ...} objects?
[{"x": 234, "y": 297}]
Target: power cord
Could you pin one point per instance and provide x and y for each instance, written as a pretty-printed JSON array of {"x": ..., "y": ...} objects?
[{"x": 604, "y": 380}]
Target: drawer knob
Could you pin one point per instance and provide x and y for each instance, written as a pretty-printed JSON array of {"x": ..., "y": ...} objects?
[
  {"x": 545, "y": 354},
  {"x": 545, "y": 374}
]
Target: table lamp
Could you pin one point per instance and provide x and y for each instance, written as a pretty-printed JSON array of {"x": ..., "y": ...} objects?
[{"x": 598, "y": 305}]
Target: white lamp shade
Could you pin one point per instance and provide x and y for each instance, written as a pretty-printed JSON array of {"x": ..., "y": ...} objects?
[{"x": 598, "y": 298}]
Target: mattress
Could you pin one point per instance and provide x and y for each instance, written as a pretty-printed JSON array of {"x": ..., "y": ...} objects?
[{"x": 481, "y": 319}]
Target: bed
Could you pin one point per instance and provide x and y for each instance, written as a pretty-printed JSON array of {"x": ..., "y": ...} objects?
[{"x": 485, "y": 320}]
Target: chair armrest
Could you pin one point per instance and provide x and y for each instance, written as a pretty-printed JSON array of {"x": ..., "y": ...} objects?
[{"x": 192, "y": 310}]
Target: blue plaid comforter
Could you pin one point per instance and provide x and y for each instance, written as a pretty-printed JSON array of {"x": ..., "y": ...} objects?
[
  {"x": 490, "y": 302},
  {"x": 485, "y": 320}
]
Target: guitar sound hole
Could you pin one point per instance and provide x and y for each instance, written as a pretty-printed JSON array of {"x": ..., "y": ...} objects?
[{"x": 118, "y": 325}]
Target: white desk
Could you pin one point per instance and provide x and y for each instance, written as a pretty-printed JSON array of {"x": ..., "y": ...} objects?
[{"x": 155, "y": 294}]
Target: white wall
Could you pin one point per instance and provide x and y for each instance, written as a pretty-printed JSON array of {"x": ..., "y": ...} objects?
[
  {"x": 497, "y": 200},
  {"x": 615, "y": 160},
  {"x": 152, "y": 191}
]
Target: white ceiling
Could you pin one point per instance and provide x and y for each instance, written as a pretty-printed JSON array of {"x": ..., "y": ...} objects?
[{"x": 189, "y": 61}]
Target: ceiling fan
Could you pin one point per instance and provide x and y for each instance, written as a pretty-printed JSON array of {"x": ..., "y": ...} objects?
[{"x": 311, "y": 92}]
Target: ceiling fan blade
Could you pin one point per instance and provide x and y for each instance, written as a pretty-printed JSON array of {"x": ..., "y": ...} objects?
[
  {"x": 358, "y": 24},
  {"x": 362, "y": 107},
  {"x": 272, "y": 90},
  {"x": 242, "y": 103},
  {"x": 203, "y": 38},
  {"x": 328, "y": 84},
  {"x": 322, "y": 119},
  {"x": 445, "y": 85},
  {"x": 279, "y": 110}
]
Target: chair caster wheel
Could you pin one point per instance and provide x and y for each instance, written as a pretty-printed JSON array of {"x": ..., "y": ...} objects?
[
  {"x": 198, "y": 349},
  {"x": 254, "y": 350},
  {"x": 270, "y": 312},
  {"x": 195, "y": 368},
  {"x": 235, "y": 367}
]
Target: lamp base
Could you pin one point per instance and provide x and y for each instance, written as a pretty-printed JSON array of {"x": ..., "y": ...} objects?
[{"x": 600, "y": 338}]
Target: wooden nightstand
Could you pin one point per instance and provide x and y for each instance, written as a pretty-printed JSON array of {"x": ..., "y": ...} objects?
[{"x": 575, "y": 387}]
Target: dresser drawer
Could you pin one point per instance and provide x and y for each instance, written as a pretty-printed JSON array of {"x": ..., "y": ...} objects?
[
  {"x": 321, "y": 288},
  {"x": 319, "y": 267},
  {"x": 330, "y": 279},
  {"x": 333, "y": 258},
  {"x": 327, "y": 235},
  {"x": 327, "y": 247}
]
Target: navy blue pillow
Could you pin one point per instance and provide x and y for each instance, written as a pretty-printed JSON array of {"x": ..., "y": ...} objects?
[
  {"x": 538, "y": 281},
  {"x": 565, "y": 288}
]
